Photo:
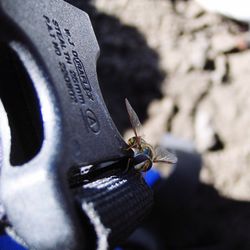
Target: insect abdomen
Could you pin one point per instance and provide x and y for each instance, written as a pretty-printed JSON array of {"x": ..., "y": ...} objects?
[{"x": 142, "y": 162}]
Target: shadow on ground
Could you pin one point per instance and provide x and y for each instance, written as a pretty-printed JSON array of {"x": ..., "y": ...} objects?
[
  {"x": 207, "y": 221},
  {"x": 190, "y": 215},
  {"x": 127, "y": 67}
]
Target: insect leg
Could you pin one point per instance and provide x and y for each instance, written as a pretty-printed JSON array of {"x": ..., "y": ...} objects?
[{"x": 128, "y": 165}]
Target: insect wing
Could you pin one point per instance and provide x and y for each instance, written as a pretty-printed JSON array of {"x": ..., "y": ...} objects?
[
  {"x": 134, "y": 120},
  {"x": 163, "y": 155}
]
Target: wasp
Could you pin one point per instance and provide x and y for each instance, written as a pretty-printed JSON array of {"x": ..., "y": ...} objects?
[{"x": 144, "y": 154}]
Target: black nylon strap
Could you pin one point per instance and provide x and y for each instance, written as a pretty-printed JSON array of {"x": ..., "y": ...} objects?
[{"x": 115, "y": 205}]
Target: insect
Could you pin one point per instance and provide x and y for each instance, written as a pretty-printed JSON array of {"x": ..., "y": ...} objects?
[{"x": 144, "y": 154}]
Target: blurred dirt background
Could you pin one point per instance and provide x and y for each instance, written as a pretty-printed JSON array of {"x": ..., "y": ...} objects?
[{"x": 183, "y": 72}]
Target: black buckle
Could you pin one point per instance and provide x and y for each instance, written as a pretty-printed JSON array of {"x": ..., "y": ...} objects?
[{"x": 53, "y": 123}]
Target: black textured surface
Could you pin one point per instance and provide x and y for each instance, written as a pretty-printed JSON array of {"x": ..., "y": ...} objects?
[
  {"x": 58, "y": 49},
  {"x": 127, "y": 66},
  {"x": 121, "y": 202}
]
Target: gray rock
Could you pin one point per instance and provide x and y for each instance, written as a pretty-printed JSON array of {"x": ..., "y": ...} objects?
[
  {"x": 221, "y": 73},
  {"x": 205, "y": 135},
  {"x": 223, "y": 42}
]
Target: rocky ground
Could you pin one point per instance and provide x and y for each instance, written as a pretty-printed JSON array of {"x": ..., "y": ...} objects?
[
  {"x": 185, "y": 72},
  {"x": 187, "y": 77}
]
